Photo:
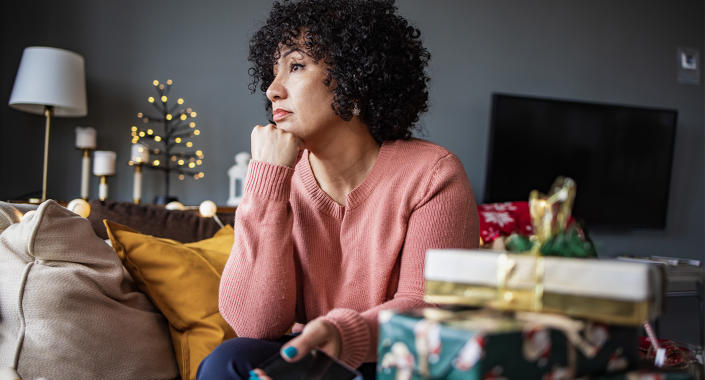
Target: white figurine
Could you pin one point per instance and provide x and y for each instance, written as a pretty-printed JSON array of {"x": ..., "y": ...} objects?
[{"x": 237, "y": 174}]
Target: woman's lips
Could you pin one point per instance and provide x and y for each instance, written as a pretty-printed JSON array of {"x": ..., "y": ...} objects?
[{"x": 280, "y": 114}]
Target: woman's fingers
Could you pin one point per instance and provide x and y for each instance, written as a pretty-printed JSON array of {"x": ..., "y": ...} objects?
[
  {"x": 275, "y": 146},
  {"x": 316, "y": 334},
  {"x": 259, "y": 374}
]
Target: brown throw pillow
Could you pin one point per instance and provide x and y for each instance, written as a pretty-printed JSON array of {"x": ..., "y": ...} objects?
[{"x": 182, "y": 226}]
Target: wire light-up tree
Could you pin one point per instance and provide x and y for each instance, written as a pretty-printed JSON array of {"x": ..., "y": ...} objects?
[{"x": 167, "y": 136}]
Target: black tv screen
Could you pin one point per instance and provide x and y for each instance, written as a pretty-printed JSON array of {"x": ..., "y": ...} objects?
[{"x": 619, "y": 156}]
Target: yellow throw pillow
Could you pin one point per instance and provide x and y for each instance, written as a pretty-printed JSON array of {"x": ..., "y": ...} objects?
[{"x": 182, "y": 281}]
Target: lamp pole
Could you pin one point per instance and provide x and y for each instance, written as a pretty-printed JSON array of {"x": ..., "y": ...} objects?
[{"x": 48, "y": 110}]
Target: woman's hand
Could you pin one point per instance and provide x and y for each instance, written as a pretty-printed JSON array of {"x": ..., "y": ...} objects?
[
  {"x": 275, "y": 146},
  {"x": 317, "y": 334}
]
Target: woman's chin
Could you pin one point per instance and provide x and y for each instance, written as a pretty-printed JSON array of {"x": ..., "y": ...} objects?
[
  {"x": 288, "y": 127},
  {"x": 283, "y": 125}
]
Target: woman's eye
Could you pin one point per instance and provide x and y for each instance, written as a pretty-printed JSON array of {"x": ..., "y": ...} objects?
[{"x": 296, "y": 66}]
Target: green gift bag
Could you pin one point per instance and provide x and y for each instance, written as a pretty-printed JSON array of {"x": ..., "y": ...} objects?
[{"x": 439, "y": 344}]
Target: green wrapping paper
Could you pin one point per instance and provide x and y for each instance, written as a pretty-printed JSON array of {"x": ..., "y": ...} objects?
[{"x": 437, "y": 344}]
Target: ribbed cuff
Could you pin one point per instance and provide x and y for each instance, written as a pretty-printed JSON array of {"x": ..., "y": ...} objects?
[
  {"x": 269, "y": 180},
  {"x": 354, "y": 335}
]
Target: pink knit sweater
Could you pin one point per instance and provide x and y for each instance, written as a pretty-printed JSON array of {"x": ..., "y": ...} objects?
[{"x": 299, "y": 255}]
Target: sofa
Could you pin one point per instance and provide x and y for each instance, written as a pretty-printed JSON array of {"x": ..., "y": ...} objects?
[
  {"x": 130, "y": 292},
  {"x": 132, "y": 298}
]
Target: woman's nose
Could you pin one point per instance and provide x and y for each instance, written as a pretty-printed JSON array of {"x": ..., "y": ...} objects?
[{"x": 276, "y": 89}]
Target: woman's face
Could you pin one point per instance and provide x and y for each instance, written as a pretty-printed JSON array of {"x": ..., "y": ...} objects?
[{"x": 301, "y": 102}]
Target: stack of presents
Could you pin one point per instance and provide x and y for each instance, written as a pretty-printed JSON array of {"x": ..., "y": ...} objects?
[{"x": 539, "y": 305}]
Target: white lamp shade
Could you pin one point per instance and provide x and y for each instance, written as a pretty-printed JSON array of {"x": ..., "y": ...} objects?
[
  {"x": 50, "y": 77},
  {"x": 85, "y": 138},
  {"x": 104, "y": 162}
]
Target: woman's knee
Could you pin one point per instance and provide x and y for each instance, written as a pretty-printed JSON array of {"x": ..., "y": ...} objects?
[{"x": 234, "y": 358}]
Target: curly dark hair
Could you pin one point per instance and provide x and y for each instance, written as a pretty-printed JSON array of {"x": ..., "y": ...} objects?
[{"x": 374, "y": 56}]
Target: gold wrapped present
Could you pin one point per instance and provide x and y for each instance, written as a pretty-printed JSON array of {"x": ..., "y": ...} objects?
[{"x": 604, "y": 290}]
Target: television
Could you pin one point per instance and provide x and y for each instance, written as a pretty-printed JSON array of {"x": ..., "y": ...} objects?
[{"x": 619, "y": 156}]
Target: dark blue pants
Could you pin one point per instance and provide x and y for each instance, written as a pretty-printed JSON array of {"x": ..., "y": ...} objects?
[{"x": 234, "y": 359}]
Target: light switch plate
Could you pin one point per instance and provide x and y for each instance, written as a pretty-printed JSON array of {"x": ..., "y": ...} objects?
[{"x": 688, "y": 61}]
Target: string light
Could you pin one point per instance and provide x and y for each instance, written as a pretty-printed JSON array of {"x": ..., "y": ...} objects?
[{"x": 168, "y": 162}]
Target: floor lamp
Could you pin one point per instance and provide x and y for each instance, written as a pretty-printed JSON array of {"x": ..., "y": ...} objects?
[{"x": 49, "y": 82}]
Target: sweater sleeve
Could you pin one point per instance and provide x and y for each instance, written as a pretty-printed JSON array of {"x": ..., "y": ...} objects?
[
  {"x": 257, "y": 294},
  {"x": 446, "y": 217}
]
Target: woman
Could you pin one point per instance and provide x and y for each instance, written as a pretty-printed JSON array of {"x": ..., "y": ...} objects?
[{"x": 340, "y": 203}]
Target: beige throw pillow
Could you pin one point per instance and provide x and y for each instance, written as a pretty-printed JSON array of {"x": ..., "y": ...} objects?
[
  {"x": 9, "y": 214},
  {"x": 68, "y": 309}
]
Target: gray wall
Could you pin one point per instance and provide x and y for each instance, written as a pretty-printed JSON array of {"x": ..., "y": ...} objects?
[{"x": 617, "y": 52}]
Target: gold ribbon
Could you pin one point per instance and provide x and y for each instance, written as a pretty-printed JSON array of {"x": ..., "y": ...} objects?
[
  {"x": 571, "y": 328},
  {"x": 538, "y": 283},
  {"x": 488, "y": 322},
  {"x": 614, "y": 311},
  {"x": 505, "y": 296}
]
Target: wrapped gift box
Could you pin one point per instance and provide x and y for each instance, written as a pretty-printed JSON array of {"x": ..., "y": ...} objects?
[
  {"x": 438, "y": 344},
  {"x": 610, "y": 291}
]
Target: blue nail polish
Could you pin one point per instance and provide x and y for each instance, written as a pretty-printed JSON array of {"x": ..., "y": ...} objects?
[
  {"x": 253, "y": 373},
  {"x": 290, "y": 352},
  {"x": 254, "y": 377}
]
